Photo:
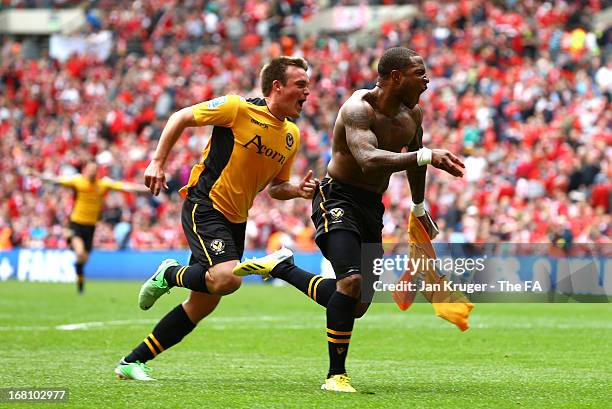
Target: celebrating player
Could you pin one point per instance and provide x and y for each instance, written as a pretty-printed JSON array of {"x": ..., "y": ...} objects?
[
  {"x": 89, "y": 196},
  {"x": 372, "y": 129},
  {"x": 253, "y": 145}
]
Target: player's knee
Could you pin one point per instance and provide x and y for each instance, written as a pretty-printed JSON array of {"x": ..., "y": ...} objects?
[
  {"x": 221, "y": 280},
  {"x": 82, "y": 257},
  {"x": 350, "y": 285},
  {"x": 227, "y": 283}
]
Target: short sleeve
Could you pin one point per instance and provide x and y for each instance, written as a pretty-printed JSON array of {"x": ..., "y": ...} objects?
[{"x": 219, "y": 111}]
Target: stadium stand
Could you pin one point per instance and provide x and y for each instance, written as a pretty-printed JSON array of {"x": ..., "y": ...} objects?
[{"x": 520, "y": 88}]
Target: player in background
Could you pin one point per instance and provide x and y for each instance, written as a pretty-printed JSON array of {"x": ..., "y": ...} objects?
[
  {"x": 89, "y": 190},
  {"x": 377, "y": 132},
  {"x": 253, "y": 145}
]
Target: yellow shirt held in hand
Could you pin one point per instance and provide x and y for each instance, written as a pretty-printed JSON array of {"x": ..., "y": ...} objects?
[{"x": 453, "y": 306}]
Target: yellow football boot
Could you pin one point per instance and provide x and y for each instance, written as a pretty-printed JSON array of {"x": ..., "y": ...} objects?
[
  {"x": 338, "y": 383},
  {"x": 263, "y": 265}
]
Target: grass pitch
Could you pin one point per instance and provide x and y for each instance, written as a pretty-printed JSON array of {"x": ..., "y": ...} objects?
[{"x": 265, "y": 347}]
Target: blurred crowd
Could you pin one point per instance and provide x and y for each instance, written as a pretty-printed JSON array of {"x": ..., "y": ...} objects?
[{"x": 520, "y": 89}]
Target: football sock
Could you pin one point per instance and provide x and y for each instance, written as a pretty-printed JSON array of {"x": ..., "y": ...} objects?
[
  {"x": 192, "y": 277},
  {"x": 314, "y": 286},
  {"x": 80, "y": 276},
  {"x": 340, "y": 320},
  {"x": 169, "y": 331}
]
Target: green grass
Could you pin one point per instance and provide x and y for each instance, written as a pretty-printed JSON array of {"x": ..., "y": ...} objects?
[{"x": 265, "y": 347}]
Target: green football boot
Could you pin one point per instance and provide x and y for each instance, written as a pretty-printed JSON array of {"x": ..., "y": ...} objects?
[
  {"x": 156, "y": 286},
  {"x": 134, "y": 370}
]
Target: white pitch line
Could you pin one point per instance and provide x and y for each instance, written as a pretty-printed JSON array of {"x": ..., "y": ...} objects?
[
  {"x": 214, "y": 321},
  {"x": 314, "y": 321},
  {"x": 99, "y": 324},
  {"x": 26, "y": 328}
]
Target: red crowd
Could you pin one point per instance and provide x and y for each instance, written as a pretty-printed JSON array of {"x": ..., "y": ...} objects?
[{"x": 521, "y": 91}]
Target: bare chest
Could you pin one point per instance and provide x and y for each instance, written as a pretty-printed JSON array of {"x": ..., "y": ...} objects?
[{"x": 394, "y": 133}]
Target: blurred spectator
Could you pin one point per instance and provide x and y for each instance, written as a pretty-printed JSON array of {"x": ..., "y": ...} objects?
[
  {"x": 521, "y": 88},
  {"x": 121, "y": 232}
]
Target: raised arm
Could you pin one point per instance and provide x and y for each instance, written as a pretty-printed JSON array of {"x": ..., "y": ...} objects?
[
  {"x": 219, "y": 111},
  {"x": 155, "y": 178},
  {"x": 44, "y": 177},
  {"x": 129, "y": 187},
  {"x": 284, "y": 190},
  {"x": 175, "y": 126},
  {"x": 47, "y": 178},
  {"x": 357, "y": 118}
]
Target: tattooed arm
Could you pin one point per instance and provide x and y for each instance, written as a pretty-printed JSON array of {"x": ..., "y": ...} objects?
[{"x": 357, "y": 117}]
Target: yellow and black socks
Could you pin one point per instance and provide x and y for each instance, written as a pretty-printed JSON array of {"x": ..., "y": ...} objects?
[
  {"x": 169, "y": 331},
  {"x": 192, "y": 277},
  {"x": 314, "y": 286},
  {"x": 80, "y": 276},
  {"x": 340, "y": 320}
]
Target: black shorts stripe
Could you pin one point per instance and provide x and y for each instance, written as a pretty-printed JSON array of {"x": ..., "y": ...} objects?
[
  {"x": 195, "y": 231},
  {"x": 211, "y": 237},
  {"x": 337, "y": 205}
]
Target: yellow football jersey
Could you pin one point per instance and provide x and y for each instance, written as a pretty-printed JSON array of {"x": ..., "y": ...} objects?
[
  {"x": 249, "y": 148},
  {"x": 89, "y": 197}
]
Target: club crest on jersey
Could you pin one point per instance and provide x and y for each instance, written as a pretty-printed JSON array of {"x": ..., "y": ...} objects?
[
  {"x": 217, "y": 245},
  {"x": 336, "y": 213},
  {"x": 289, "y": 140}
]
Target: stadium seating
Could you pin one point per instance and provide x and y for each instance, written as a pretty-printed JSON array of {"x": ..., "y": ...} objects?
[{"x": 523, "y": 95}]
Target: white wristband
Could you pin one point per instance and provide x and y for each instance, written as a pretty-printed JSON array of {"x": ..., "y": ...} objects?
[
  {"x": 424, "y": 156},
  {"x": 418, "y": 209}
]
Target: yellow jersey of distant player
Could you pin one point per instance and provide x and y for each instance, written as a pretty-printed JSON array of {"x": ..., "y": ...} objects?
[
  {"x": 89, "y": 197},
  {"x": 249, "y": 148}
]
